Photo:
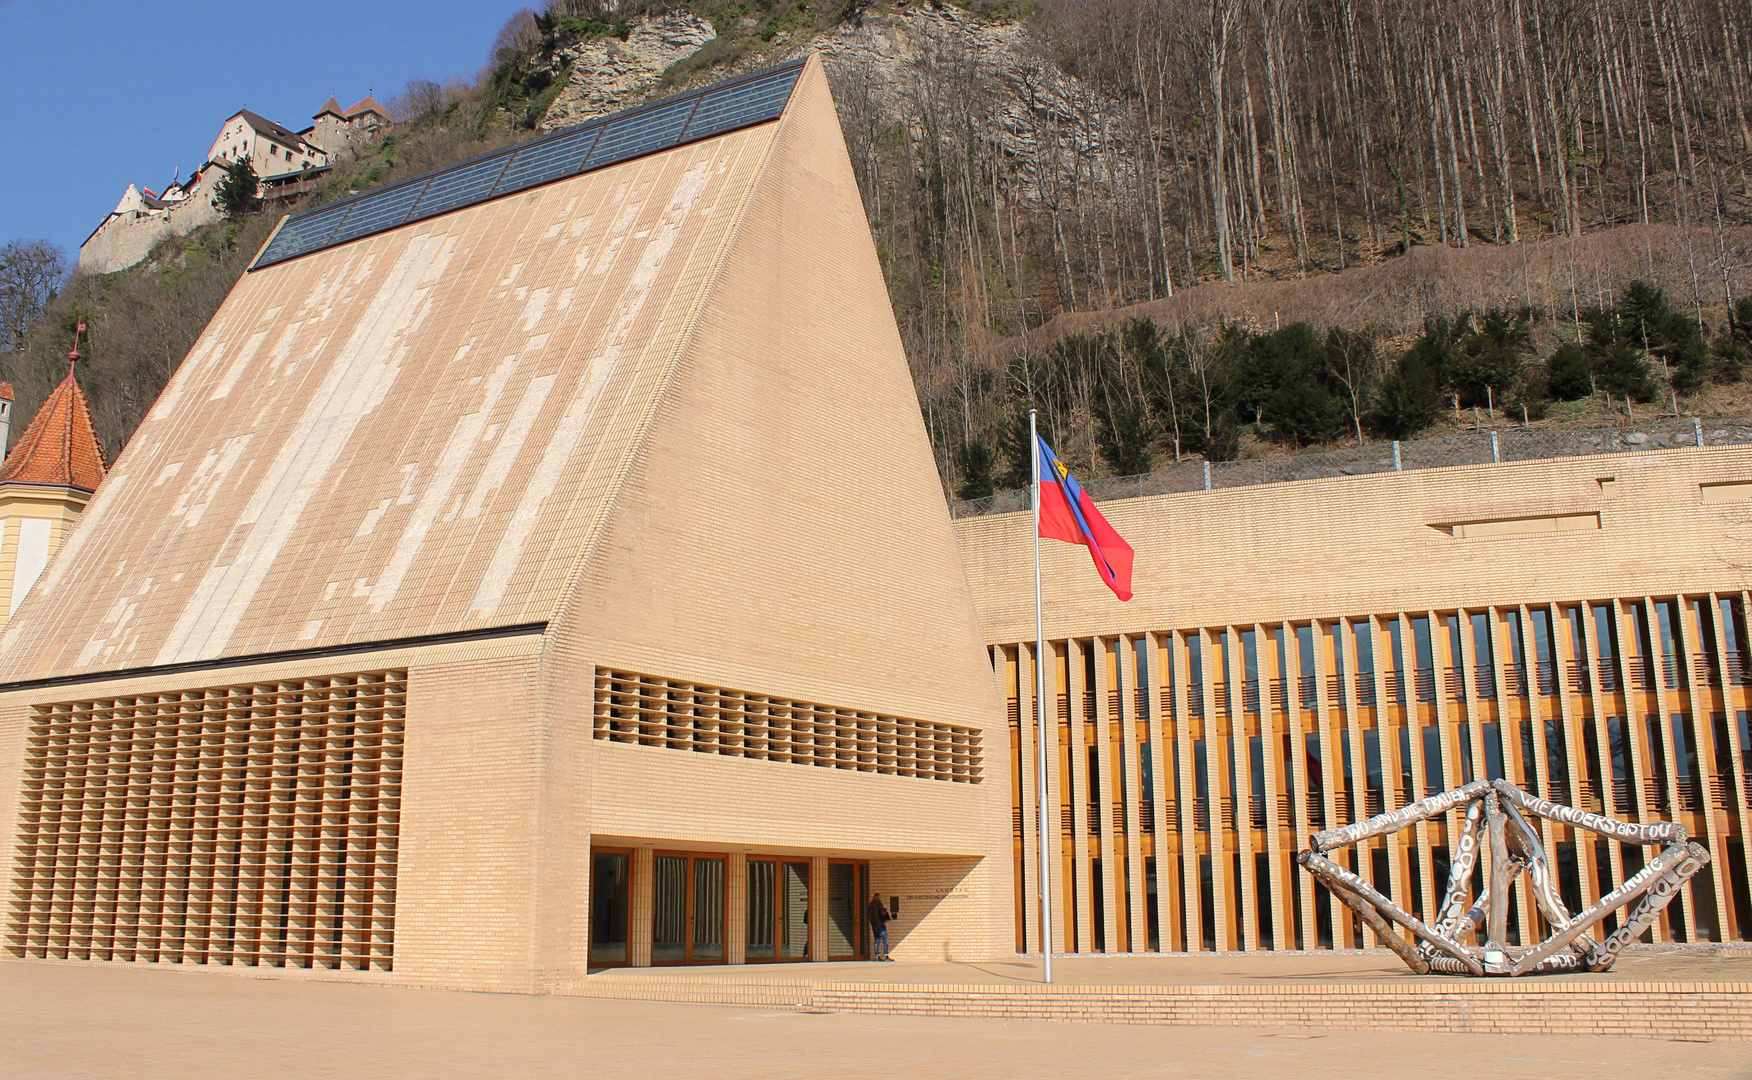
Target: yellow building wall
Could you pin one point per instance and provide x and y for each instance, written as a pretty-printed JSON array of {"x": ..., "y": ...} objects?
[
  {"x": 783, "y": 532},
  {"x": 59, "y": 507},
  {"x": 1256, "y": 677}
]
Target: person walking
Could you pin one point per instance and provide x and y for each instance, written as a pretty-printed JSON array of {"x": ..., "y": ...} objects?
[{"x": 879, "y": 920}]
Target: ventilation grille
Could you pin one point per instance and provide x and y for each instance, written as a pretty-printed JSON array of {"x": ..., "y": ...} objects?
[
  {"x": 242, "y": 825},
  {"x": 651, "y": 711}
]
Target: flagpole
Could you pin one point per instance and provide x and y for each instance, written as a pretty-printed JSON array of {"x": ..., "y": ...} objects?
[{"x": 1040, "y": 715}]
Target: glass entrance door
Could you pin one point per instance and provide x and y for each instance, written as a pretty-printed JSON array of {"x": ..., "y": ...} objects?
[
  {"x": 778, "y": 910},
  {"x": 609, "y": 879},
  {"x": 687, "y": 924},
  {"x": 846, "y": 887}
]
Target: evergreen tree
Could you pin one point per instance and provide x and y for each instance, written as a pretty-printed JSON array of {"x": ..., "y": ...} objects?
[
  {"x": 1732, "y": 350},
  {"x": 1409, "y": 400},
  {"x": 1686, "y": 353},
  {"x": 1482, "y": 360},
  {"x": 1728, "y": 358},
  {"x": 236, "y": 196},
  {"x": 1621, "y": 370},
  {"x": 1124, "y": 432},
  {"x": 976, "y": 472},
  {"x": 1642, "y": 309},
  {"x": 1569, "y": 373},
  {"x": 1283, "y": 380}
]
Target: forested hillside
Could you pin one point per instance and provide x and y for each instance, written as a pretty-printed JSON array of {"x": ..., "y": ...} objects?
[{"x": 1097, "y": 206}]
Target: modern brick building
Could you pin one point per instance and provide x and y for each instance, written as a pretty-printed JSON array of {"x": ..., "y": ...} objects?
[
  {"x": 535, "y": 565},
  {"x": 1302, "y": 655},
  {"x": 541, "y": 565}
]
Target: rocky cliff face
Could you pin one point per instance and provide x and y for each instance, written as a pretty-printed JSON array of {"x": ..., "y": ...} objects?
[
  {"x": 941, "y": 72},
  {"x": 609, "y": 73}
]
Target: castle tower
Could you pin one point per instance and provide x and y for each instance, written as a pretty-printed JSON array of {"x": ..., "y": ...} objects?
[{"x": 45, "y": 483}]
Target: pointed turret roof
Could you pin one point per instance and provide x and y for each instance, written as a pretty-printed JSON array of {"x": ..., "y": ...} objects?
[
  {"x": 58, "y": 449},
  {"x": 330, "y": 106}
]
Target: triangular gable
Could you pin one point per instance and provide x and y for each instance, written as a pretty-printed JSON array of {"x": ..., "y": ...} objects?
[
  {"x": 786, "y": 501},
  {"x": 401, "y": 436}
]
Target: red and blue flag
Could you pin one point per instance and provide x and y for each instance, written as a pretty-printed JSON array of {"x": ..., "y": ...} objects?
[{"x": 1067, "y": 513}]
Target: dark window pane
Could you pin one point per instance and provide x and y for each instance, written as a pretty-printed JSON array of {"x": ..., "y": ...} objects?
[
  {"x": 642, "y": 134},
  {"x": 842, "y": 910},
  {"x": 794, "y": 911},
  {"x": 669, "y": 910},
  {"x": 762, "y": 881},
  {"x": 466, "y": 185},
  {"x": 752, "y": 102},
  {"x": 541, "y": 162},
  {"x": 608, "y": 909},
  {"x": 301, "y": 234},
  {"x": 708, "y": 910},
  {"x": 376, "y": 213}
]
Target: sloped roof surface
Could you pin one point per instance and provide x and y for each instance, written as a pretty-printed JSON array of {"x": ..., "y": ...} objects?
[
  {"x": 409, "y": 434},
  {"x": 267, "y": 127},
  {"x": 330, "y": 106},
  {"x": 365, "y": 105},
  {"x": 58, "y": 449}
]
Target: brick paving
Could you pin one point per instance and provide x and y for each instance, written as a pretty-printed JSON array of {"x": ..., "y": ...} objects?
[{"x": 93, "y": 1022}]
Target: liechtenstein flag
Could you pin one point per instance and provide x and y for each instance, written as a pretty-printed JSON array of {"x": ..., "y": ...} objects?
[{"x": 1067, "y": 513}]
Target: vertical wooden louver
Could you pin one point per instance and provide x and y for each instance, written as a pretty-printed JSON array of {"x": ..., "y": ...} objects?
[{"x": 243, "y": 825}]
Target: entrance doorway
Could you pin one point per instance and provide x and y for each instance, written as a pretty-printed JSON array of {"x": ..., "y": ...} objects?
[
  {"x": 848, "y": 887},
  {"x": 685, "y": 898},
  {"x": 778, "y": 910},
  {"x": 687, "y": 925},
  {"x": 610, "y": 889}
]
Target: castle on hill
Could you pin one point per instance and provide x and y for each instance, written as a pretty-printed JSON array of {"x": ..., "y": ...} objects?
[{"x": 288, "y": 162}]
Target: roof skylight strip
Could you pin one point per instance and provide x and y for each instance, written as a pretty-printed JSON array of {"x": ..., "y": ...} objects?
[
  {"x": 470, "y": 183},
  {"x": 539, "y": 163},
  {"x": 739, "y": 105},
  {"x": 641, "y": 134},
  {"x": 303, "y": 234},
  {"x": 592, "y": 145},
  {"x": 375, "y": 215}
]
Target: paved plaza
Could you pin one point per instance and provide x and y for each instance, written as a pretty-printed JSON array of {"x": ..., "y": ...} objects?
[
  {"x": 1639, "y": 965},
  {"x": 91, "y": 1022}
]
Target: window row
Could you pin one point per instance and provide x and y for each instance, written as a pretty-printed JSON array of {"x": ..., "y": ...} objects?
[{"x": 692, "y": 903}]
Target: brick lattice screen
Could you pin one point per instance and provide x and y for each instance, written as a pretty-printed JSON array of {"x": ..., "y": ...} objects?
[
  {"x": 242, "y": 825},
  {"x": 653, "y": 711}
]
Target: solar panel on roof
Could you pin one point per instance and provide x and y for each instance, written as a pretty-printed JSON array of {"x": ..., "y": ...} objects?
[
  {"x": 381, "y": 212},
  {"x": 593, "y": 145},
  {"x": 735, "y": 106},
  {"x": 468, "y": 184},
  {"x": 641, "y": 133},
  {"x": 302, "y": 234},
  {"x": 539, "y": 163}
]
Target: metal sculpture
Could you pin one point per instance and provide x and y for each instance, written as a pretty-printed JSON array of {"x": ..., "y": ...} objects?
[{"x": 1499, "y": 811}]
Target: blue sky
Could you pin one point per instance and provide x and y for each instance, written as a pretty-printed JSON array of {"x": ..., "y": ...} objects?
[{"x": 98, "y": 94}]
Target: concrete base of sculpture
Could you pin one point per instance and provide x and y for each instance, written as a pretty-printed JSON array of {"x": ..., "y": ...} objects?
[{"x": 1500, "y": 811}]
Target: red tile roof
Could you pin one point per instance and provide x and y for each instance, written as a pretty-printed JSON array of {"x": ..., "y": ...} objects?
[
  {"x": 331, "y": 106},
  {"x": 58, "y": 449},
  {"x": 367, "y": 105}
]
